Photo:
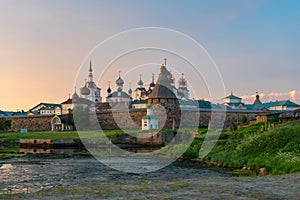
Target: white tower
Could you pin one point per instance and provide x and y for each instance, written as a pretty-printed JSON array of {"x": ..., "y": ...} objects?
[{"x": 90, "y": 90}]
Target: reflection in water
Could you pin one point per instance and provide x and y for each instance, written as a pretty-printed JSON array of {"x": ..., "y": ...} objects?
[
  {"x": 51, "y": 150},
  {"x": 70, "y": 151}
]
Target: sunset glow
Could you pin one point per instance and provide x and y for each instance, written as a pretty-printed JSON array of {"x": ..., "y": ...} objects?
[{"x": 255, "y": 44}]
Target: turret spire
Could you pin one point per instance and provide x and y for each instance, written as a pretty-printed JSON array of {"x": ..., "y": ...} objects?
[
  {"x": 130, "y": 90},
  {"x": 75, "y": 95},
  {"x": 140, "y": 83},
  {"x": 108, "y": 89},
  {"x": 90, "y": 76},
  {"x": 90, "y": 70}
]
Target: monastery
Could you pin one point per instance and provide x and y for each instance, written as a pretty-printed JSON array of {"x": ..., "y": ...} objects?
[{"x": 141, "y": 100}]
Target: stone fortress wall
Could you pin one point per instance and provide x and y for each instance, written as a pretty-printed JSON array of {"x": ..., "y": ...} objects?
[
  {"x": 31, "y": 123},
  {"x": 131, "y": 119}
]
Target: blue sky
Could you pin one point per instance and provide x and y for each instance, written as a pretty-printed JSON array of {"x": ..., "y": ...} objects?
[{"x": 43, "y": 42}]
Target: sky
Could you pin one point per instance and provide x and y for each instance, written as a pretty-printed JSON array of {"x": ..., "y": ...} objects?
[{"x": 255, "y": 44}]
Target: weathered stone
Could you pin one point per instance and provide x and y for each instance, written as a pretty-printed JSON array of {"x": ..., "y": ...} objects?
[{"x": 166, "y": 111}]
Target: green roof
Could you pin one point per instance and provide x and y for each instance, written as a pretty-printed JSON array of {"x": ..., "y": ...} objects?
[
  {"x": 3, "y": 113},
  {"x": 187, "y": 102},
  {"x": 149, "y": 117},
  {"x": 12, "y": 113},
  {"x": 232, "y": 97},
  {"x": 48, "y": 105},
  {"x": 204, "y": 104},
  {"x": 287, "y": 103},
  {"x": 140, "y": 101},
  {"x": 235, "y": 104}
]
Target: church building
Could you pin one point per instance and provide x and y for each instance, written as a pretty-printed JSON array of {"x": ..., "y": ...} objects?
[
  {"x": 90, "y": 91},
  {"x": 119, "y": 95}
]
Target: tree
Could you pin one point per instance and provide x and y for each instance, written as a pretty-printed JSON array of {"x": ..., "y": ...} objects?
[
  {"x": 70, "y": 119},
  {"x": 81, "y": 117},
  {"x": 4, "y": 124},
  {"x": 244, "y": 119}
]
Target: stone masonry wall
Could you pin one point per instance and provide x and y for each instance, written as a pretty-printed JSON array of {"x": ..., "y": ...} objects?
[
  {"x": 32, "y": 123},
  {"x": 131, "y": 119}
]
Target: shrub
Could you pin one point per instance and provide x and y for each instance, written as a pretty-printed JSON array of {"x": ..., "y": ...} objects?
[
  {"x": 4, "y": 124},
  {"x": 244, "y": 119}
]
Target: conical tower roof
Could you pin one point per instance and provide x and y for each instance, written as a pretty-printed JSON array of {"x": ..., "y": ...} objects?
[
  {"x": 257, "y": 100},
  {"x": 163, "y": 88}
]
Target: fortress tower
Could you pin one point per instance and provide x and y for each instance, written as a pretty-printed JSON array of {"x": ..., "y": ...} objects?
[{"x": 164, "y": 102}]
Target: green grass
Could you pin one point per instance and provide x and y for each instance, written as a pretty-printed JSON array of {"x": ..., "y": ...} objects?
[
  {"x": 9, "y": 142},
  {"x": 277, "y": 150},
  {"x": 14, "y": 136},
  {"x": 262, "y": 145}
]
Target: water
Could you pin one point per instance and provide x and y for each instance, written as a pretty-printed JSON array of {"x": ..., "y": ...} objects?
[{"x": 177, "y": 181}]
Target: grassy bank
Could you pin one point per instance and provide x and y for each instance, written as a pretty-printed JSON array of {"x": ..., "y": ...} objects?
[
  {"x": 276, "y": 149},
  {"x": 9, "y": 142}
]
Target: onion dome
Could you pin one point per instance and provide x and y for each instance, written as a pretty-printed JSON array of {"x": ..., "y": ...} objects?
[
  {"x": 182, "y": 82},
  {"x": 108, "y": 89},
  {"x": 75, "y": 95},
  {"x": 130, "y": 91},
  {"x": 119, "y": 81},
  {"x": 140, "y": 83},
  {"x": 152, "y": 84},
  {"x": 84, "y": 91}
]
